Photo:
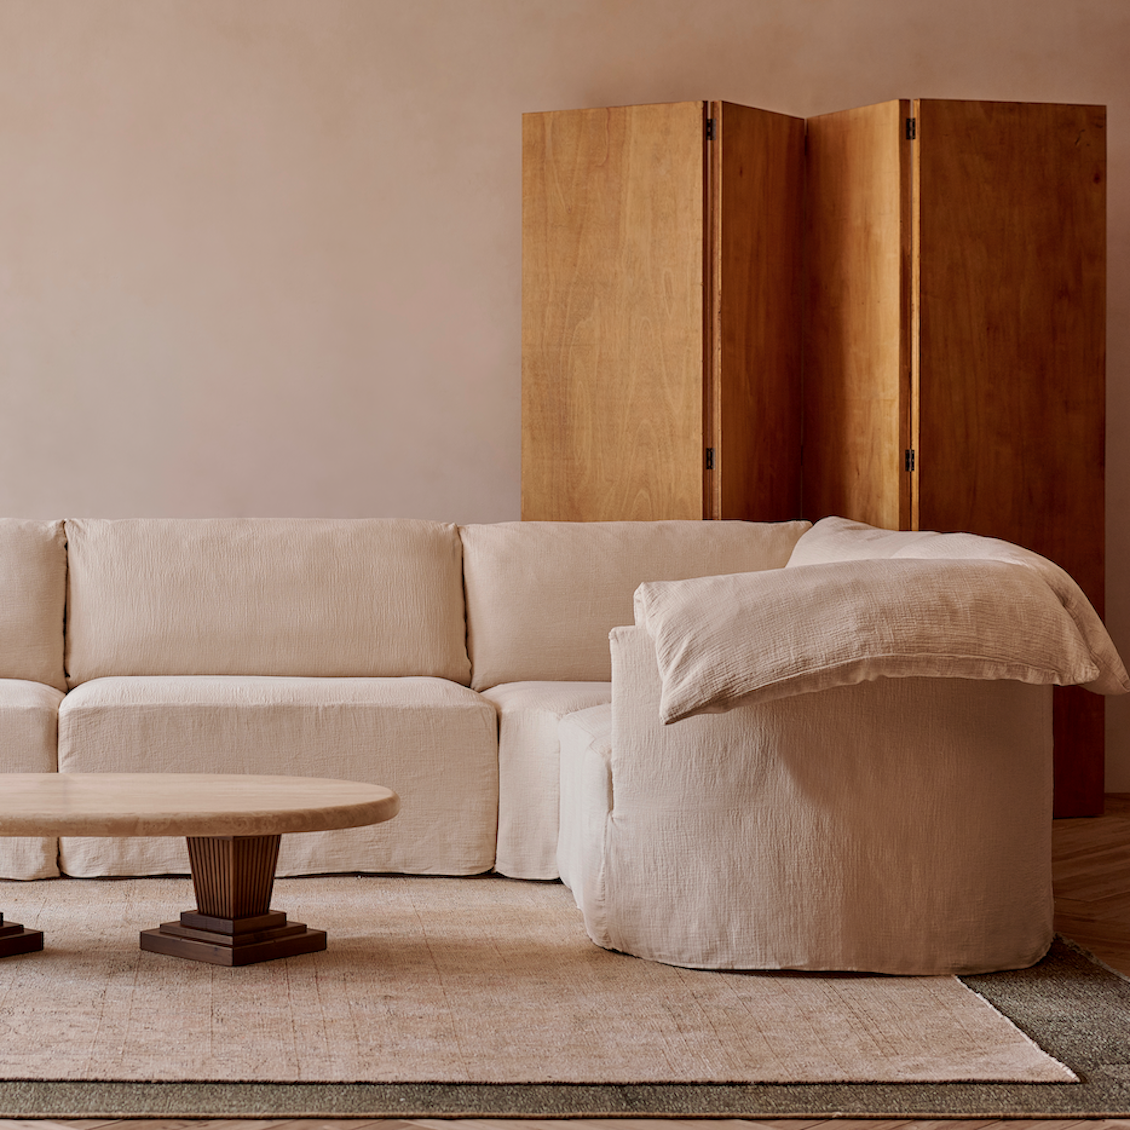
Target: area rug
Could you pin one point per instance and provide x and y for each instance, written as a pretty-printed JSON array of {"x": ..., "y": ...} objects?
[{"x": 465, "y": 997}]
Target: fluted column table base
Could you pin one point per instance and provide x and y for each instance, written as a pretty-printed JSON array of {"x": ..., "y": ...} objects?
[{"x": 233, "y": 924}]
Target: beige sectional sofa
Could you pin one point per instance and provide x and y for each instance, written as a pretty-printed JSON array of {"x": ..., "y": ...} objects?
[
  {"x": 861, "y": 820},
  {"x": 434, "y": 659}
]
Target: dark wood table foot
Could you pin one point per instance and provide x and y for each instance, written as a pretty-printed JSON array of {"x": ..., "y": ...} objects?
[
  {"x": 233, "y": 924},
  {"x": 15, "y": 939}
]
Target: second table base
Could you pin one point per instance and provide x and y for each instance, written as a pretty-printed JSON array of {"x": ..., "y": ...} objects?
[{"x": 15, "y": 939}]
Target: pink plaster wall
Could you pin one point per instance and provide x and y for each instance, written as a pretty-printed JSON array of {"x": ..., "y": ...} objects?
[{"x": 262, "y": 256}]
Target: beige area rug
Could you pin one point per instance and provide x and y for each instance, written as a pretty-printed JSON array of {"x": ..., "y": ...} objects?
[{"x": 457, "y": 980}]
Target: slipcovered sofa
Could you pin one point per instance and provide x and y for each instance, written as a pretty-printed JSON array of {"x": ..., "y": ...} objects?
[
  {"x": 469, "y": 669},
  {"x": 434, "y": 659}
]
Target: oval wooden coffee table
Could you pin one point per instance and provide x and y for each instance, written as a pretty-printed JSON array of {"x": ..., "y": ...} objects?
[{"x": 232, "y": 822}]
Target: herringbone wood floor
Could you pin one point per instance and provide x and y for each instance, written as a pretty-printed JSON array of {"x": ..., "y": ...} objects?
[{"x": 1092, "y": 887}]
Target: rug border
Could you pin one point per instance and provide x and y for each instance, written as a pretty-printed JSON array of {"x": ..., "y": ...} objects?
[{"x": 1085, "y": 1035}]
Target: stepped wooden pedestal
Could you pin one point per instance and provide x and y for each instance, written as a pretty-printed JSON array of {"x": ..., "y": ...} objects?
[
  {"x": 233, "y": 924},
  {"x": 15, "y": 939}
]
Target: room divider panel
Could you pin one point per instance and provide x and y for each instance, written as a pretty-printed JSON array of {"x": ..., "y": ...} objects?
[
  {"x": 661, "y": 287},
  {"x": 894, "y": 313}
]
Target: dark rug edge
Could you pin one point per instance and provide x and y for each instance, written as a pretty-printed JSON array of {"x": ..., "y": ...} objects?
[{"x": 1074, "y": 1007}]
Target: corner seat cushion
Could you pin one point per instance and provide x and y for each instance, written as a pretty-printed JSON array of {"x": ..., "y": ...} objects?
[
  {"x": 431, "y": 740},
  {"x": 543, "y": 596},
  {"x": 33, "y": 590},
  {"x": 29, "y": 714},
  {"x": 528, "y": 770},
  {"x": 586, "y": 798},
  {"x": 298, "y": 597}
]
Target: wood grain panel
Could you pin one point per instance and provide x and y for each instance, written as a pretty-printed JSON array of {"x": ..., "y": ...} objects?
[
  {"x": 1012, "y": 207},
  {"x": 756, "y": 192},
  {"x": 1013, "y": 240},
  {"x": 613, "y": 254},
  {"x": 857, "y": 316}
]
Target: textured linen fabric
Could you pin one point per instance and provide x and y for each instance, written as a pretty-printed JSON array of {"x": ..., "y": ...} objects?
[
  {"x": 840, "y": 539},
  {"x": 528, "y": 770},
  {"x": 430, "y": 740},
  {"x": 761, "y": 636},
  {"x": 901, "y": 826},
  {"x": 586, "y": 796},
  {"x": 542, "y": 596},
  {"x": 269, "y": 596},
  {"x": 29, "y": 715},
  {"x": 33, "y": 590}
]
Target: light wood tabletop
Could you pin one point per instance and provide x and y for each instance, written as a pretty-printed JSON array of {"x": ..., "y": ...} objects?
[{"x": 185, "y": 804}]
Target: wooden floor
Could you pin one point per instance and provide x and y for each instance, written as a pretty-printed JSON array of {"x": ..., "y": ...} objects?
[
  {"x": 1092, "y": 889},
  {"x": 1092, "y": 881}
]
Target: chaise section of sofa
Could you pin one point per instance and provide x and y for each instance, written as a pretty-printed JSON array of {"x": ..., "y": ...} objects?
[
  {"x": 33, "y": 575},
  {"x": 844, "y": 764},
  {"x": 542, "y": 598},
  {"x": 304, "y": 647}
]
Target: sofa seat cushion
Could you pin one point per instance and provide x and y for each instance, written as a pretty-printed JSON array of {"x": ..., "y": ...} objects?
[
  {"x": 270, "y": 596},
  {"x": 432, "y": 741},
  {"x": 543, "y": 596},
  {"x": 29, "y": 715},
  {"x": 528, "y": 798},
  {"x": 33, "y": 590}
]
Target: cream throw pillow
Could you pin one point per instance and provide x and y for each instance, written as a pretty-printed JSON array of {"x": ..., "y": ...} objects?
[
  {"x": 840, "y": 539},
  {"x": 763, "y": 636}
]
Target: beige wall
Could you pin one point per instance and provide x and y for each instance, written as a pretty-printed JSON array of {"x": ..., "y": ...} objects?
[{"x": 262, "y": 256}]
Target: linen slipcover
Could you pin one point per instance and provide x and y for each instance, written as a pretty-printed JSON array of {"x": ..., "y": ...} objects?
[
  {"x": 529, "y": 770},
  {"x": 33, "y": 589},
  {"x": 543, "y": 596},
  {"x": 265, "y": 596},
  {"x": 429, "y": 740},
  {"x": 900, "y": 826},
  {"x": 29, "y": 714}
]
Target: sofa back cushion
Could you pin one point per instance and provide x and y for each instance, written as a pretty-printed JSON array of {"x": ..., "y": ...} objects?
[
  {"x": 33, "y": 591},
  {"x": 265, "y": 596},
  {"x": 543, "y": 596}
]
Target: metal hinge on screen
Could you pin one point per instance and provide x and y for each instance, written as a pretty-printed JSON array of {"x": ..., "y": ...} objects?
[
  {"x": 909, "y": 459},
  {"x": 711, "y": 129},
  {"x": 911, "y": 128},
  {"x": 710, "y": 458}
]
